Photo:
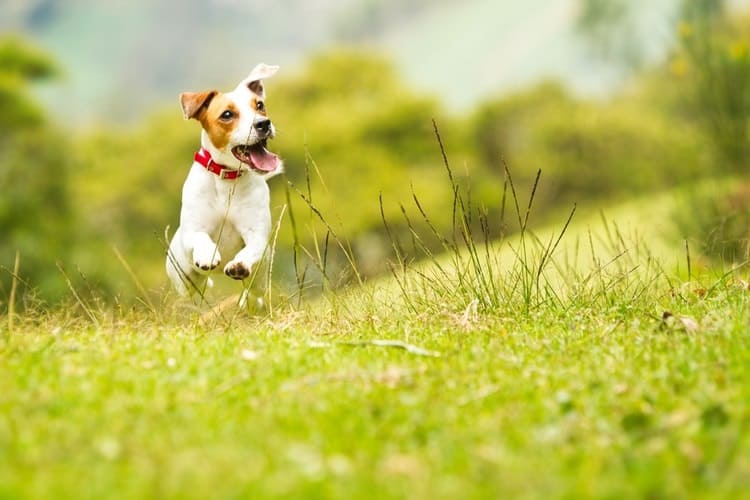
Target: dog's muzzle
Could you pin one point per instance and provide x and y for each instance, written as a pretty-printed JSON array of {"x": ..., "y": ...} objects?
[{"x": 262, "y": 127}]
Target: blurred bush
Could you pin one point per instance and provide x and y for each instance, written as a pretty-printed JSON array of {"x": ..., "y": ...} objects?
[
  {"x": 712, "y": 62},
  {"x": 35, "y": 159},
  {"x": 351, "y": 128},
  {"x": 126, "y": 193},
  {"x": 717, "y": 217},
  {"x": 709, "y": 74},
  {"x": 587, "y": 150}
]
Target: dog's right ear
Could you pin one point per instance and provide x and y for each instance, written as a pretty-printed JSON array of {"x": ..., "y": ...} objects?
[{"x": 193, "y": 102}]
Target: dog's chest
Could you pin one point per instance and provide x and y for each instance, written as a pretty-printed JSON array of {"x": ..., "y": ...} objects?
[{"x": 225, "y": 210}]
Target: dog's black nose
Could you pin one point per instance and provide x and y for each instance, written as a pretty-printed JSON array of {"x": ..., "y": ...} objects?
[{"x": 263, "y": 125}]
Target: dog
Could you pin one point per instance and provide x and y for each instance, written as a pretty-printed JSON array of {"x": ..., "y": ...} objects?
[{"x": 225, "y": 209}]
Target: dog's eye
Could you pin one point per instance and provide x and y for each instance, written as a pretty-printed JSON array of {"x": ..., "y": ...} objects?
[
  {"x": 260, "y": 106},
  {"x": 227, "y": 115}
]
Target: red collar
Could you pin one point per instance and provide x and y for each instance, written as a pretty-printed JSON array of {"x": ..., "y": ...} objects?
[{"x": 204, "y": 158}]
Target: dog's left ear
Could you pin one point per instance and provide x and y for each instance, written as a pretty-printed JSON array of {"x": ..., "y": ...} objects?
[
  {"x": 253, "y": 80},
  {"x": 193, "y": 102}
]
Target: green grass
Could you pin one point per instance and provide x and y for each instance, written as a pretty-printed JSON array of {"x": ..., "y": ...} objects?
[{"x": 588, "y": 389}]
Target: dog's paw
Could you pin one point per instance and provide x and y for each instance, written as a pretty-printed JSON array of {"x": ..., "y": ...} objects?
[
  {"x": 237, "y": 270},
  {"x": 206, "y": 258}
]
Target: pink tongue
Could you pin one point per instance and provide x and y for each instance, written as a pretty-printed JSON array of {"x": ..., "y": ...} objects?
[{"x": 263, "y": 159}]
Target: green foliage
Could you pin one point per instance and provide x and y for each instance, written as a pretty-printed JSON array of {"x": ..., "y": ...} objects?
[
  {"x": 128, "y": 192},
  {"x": 713, "y": 61},
  {"x": 20, "y": 64},
  {"x": 34, "y": 163},
  {"x": 716, "y": 216},
  {"x": 356, "y": 119},
  {"x": 35, "y": 208},
  {"x": 19, "y": 112},
  {"x": 21, "y": 59},
  {"x": 586, "y": 150},
  {"x": 709, "y": 74},
  {"x": 350, "y": 129}
]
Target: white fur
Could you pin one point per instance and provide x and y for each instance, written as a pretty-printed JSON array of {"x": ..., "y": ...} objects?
[
  {"x": 222, "y": 221},
  {"x": 260, "y": 72}
]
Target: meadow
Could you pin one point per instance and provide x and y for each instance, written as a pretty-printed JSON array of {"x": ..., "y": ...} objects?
[{"x": 588, "y": 358}]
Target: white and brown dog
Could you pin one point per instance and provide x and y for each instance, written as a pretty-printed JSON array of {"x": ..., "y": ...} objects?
[{"x": 225, "y": 201}]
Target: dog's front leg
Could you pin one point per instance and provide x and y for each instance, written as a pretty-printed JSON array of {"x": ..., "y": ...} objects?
[
  {"x": 205, "y": 252},
  {"x": 255, "y": 244}
]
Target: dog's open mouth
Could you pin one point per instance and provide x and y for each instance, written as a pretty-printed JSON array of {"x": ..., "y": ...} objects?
[{"x": 257, "y": 157}]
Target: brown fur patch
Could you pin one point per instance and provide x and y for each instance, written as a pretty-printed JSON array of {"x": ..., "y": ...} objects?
[
  {"x": 219, "y": 130},
  {"x": 195, "y": 102},
  {"x": 254, "y": 106}
]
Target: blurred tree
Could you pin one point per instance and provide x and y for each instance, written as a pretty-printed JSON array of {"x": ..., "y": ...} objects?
[
  {"x": 127, "y": 192},
  {"x": 34, "y": 210},
  {"x": 20, "y": 63},
  {"x": 711, "y": 58},
  {"x": 19, "y": 58},
  {"x": 367, "y": 133},
  {"x": 713, "y": 61},
  {"x": 587, "y": 151},
  {"x": 712, "y": 67}
]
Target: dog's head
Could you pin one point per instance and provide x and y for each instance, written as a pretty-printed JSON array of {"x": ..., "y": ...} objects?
[{"x": 235, "y": 124}]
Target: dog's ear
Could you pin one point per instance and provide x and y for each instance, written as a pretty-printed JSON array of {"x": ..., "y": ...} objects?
[
  {"x": 253, "y": 80},
  {"x": 193, "y": 102}
]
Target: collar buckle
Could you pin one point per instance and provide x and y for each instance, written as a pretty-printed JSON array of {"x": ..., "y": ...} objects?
[{"x": 203, "y": 157}]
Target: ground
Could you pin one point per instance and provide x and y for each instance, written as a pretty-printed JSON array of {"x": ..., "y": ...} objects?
[{"x": 629, "y": 379}]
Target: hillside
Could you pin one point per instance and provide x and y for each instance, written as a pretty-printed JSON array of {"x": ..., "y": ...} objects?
[
  {"x": 124, "y": 57},
  {"x": 628, "y": 385},
  {"x": 635, "y": 241}
]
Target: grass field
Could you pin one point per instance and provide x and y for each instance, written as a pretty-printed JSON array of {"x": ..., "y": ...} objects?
[{"x": 600, "y": 369}]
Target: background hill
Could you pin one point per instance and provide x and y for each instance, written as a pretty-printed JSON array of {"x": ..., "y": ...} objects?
[{"x": 122, "y": 58}]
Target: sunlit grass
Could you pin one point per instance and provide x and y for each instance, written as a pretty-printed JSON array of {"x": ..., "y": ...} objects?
[
  {"x": 576, "y": 360},
  {"x": 597, "y": 401}
]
